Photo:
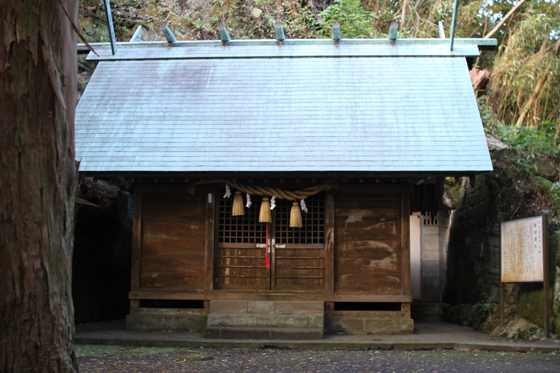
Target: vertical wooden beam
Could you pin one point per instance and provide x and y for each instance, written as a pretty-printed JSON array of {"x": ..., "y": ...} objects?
[
  {"x": 424, "y": 208},
  {"x": 329, "y": 242},
  {"x": 209, "y": 239},
  {"x": 136, "y": 241},
  {"x": 501, "y": 301},
  {"x": 109, "y": 17},
  {"x": 272, "y": 252},
  {"x": 405, "y": 234},
  {"x": 545, "y": 276},
  {"x": 134, "y": 304},
  {"x": 216, "y": 235},
  {"x": 501, "y": 276},
  {"x": 435, "y": 200}
]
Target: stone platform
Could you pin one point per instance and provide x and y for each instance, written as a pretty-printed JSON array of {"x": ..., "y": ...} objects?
[
  {"x": 427, "y": 335},
  {"x": 244, "y": 319}
]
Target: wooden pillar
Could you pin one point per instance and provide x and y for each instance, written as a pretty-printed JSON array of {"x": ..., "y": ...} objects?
[
  {"x": 209, "y": 240},
  {"x": 405, "y": 252},
  {"x": 329, "y": 242},
  {"x": 546, "y": 304},
  {"x": 136, "y": 246}
]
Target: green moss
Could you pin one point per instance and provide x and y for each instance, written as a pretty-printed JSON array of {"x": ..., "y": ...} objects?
[
  {"x": 530, "y": 303},
  {"x": 454, "y": 191},
  {"x": 119, "y": 351}
]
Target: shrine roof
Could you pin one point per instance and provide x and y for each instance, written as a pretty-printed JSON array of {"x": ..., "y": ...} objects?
[{"x": 266, "y": 107}]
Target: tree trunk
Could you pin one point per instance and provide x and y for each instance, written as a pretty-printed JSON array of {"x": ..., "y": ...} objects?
[
  {"x": 529, "y": 104},
  {"x": 38, "y": 71},
  {"x": 403, "y": 14}
]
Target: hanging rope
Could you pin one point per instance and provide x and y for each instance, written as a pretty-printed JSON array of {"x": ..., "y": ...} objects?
[
  {"x": 266, "y": 261},
  {"x": 269, "y": 191}
]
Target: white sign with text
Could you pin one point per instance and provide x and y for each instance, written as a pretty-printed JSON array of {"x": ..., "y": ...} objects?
[{"x": 522, "y": 250}]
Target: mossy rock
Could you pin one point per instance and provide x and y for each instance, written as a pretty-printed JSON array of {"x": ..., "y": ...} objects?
[
  {"x": 489, "y": 326},
  {"x": 454, "y": 190},
  {"x": 530, "y": 304}
]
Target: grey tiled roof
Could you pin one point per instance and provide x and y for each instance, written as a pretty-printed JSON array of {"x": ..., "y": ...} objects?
[{"x": 281, "y": 114}]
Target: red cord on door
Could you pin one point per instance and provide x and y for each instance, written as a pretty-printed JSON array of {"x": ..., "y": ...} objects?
[{"x": 267, "y": 262}]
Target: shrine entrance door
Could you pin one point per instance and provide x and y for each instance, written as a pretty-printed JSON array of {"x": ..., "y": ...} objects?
[{"x": 296, "y": 255}]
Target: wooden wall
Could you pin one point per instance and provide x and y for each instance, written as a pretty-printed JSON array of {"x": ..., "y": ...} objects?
[
  {"x": 371, "y": 251},
  {"x": 173, "y": 241},
  {"x": 367, "y": 258}
]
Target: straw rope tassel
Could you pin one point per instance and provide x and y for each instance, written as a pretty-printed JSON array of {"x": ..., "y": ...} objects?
[
  {"x": 265, "y": 216},
  {"x": 295, "y": 216},
  {"x": 237, "y": 209}
]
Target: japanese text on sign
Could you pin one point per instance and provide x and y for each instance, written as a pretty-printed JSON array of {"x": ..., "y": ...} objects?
[{"x": 522, "y": 250}]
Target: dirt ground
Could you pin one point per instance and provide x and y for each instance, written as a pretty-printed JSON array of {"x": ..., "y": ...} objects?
[{"x": 159, "y": 359}]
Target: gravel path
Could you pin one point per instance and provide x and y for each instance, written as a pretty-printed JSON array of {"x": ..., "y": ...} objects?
[{"x": 153, "y": 359}]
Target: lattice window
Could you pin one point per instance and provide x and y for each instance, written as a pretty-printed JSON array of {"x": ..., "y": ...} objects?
[
  {"x": 429, "y": 219},
  {"x": 313, "y": 230},
  {"x": 240, "y": 229},
  {"x": 247, "y": 229}
]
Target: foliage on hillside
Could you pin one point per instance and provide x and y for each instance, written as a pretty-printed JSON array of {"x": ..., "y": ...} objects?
[
  {"x": 526, "y": 173},
  {"x": 254, "y": 19},
  {"x": 525, "y": 69},
  {"x": 526, "y": 75}
]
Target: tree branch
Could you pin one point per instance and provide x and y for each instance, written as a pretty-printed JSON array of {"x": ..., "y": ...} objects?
[{"x": 509, "y": 14}]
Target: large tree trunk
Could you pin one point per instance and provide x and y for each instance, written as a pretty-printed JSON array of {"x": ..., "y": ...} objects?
[{"x": 37, "y": 185}]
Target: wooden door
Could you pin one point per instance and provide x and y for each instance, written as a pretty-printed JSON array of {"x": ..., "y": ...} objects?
[
  {"x": 297, "y": 255},
  {"x": 240, "y": 248}
]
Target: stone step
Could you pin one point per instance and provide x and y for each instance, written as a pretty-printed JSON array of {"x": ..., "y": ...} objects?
[
  {"x": 266, "y": 307},
  {"x": 269, "y": 320},
  {"x": 229, "y": 332}
]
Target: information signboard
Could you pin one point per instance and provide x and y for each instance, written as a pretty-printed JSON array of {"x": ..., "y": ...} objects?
[
  {"x": 524, "y": 257},
  {"x": 522, "y": 250}
]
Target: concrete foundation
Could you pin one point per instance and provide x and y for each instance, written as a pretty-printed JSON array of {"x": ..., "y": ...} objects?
[
  {"x": 357, "y": 326},
  {"x": 168, "y": 319},
  {"x": 242, "y": 319},
  {"x": 268, "y": 320}
]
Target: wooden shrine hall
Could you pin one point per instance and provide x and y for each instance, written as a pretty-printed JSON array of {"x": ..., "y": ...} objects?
[{"x": 273, "y": 180}]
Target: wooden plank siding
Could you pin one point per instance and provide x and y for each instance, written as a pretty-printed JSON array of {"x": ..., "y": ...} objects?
[
  {"x": 371, "y": 243},
  {"x": 363, "y": 255},
  {"x": 173, "y": 241}
]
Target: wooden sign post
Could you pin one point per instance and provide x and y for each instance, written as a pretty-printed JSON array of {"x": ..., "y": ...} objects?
[{"x": 525, "y": 257}]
